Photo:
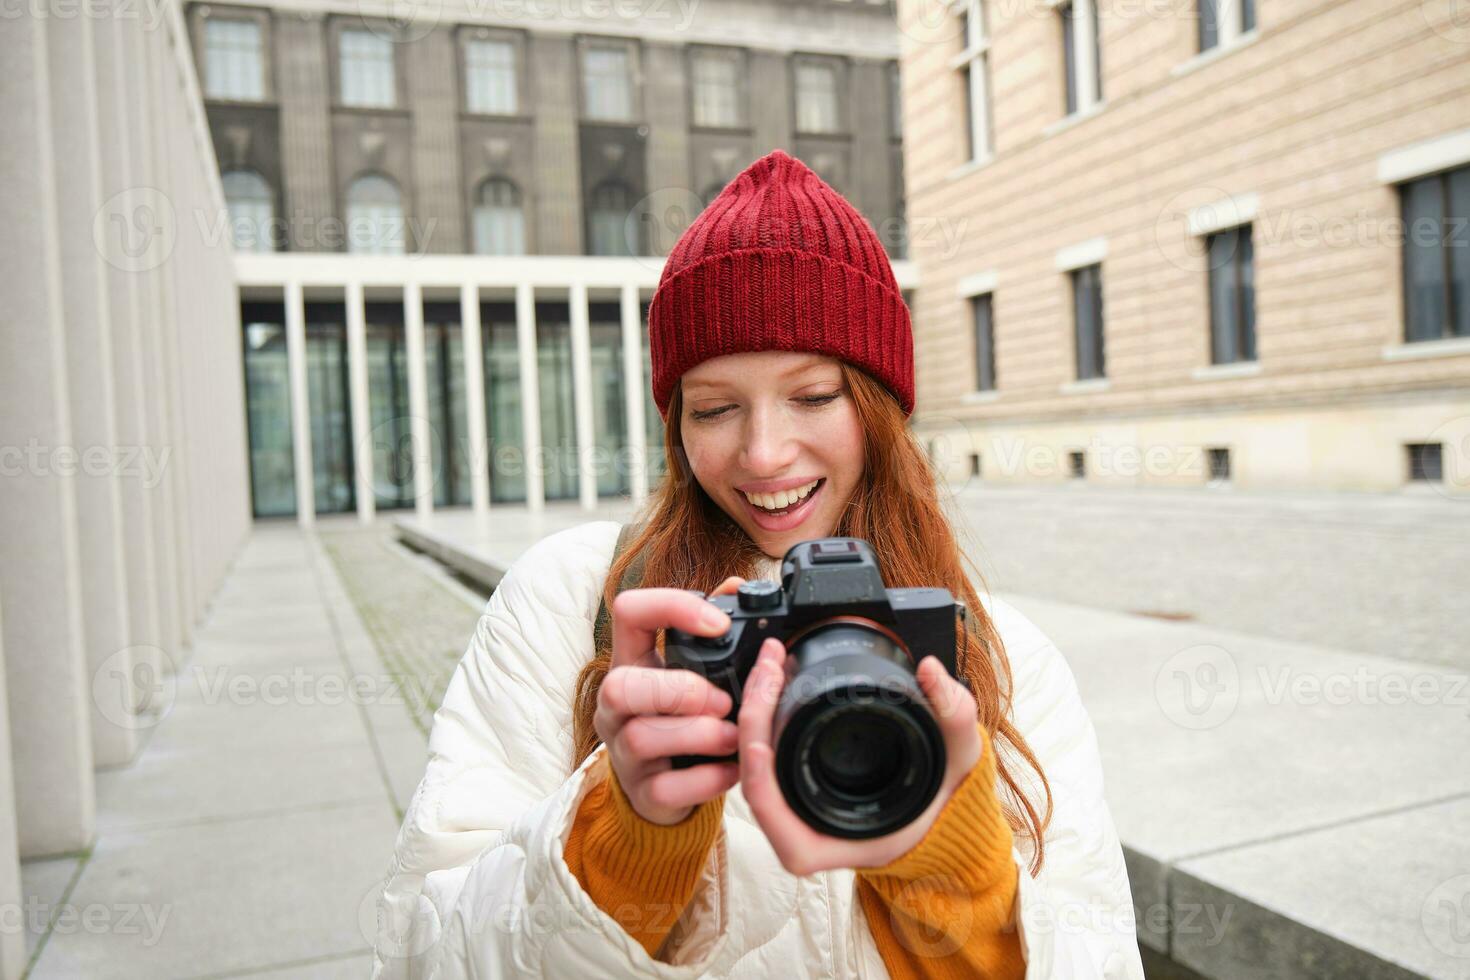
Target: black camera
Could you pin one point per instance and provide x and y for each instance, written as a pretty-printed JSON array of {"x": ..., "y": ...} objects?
[{"x": 858, "y": 751}]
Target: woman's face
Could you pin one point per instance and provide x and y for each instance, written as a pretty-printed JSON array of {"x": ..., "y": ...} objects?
[{"x": 774, "y": 438}]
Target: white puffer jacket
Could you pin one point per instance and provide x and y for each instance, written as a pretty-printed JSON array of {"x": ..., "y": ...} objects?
[{"x": 478, "y": 887}]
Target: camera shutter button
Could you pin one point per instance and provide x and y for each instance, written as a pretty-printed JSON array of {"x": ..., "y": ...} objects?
[{"x": 759, "y": 595}]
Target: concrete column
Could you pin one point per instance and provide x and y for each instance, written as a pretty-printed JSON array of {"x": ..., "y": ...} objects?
[
  {"x": 418, "y": 401},
  {"x": 117, "y": 125},
  {"x": 300, "y": 406},
  {"x": 632, "y": 319},
  {"x": 90, "y": 370},
  {"x": 41, "y": 635},
  {"x": 357, "y": 393},
  {"x": 582, "y": 399},
  {"x": 478, "y": 446},
  {"x": 530, "y": 396},
  {"x": 1084, "y": 20},
  {"x": 12, "y": 941},
  {"x": 1228, "y": 19},
  {"x": 142, "y": 50}
]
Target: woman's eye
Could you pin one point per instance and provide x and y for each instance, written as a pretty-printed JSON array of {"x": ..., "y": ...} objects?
[
  {"x": 820, "y": 399},
  {"x": 708, "y": 413}
]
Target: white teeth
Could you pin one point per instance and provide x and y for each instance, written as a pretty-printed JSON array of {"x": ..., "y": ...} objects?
[{"x": 783, "y": 498}]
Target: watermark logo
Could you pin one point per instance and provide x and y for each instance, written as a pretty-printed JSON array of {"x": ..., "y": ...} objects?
[
  {"x": 1445, "y": 916},
  {"x": 400, "y": 21},
  {"x": 1450, "y": 19},
  {"x": 135, "y": 688},
  {"x": 136, "y": 229},
  {"x": 655, "y": 223},
  {"x": 1453, "y": 439},
  {"x": 1198, "y": 687}
]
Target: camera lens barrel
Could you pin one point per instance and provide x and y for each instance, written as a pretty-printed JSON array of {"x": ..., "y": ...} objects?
[{"x": 858, "y": 752}]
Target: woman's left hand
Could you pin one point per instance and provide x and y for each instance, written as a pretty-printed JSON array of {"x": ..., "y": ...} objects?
[{"x": 801, "y": 849}]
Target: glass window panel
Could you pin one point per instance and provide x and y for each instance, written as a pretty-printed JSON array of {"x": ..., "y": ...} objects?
[
  {"x": 1069, "y": 57},
  {"x": 1457, "y": 239},
  {"x": 816, "y": 99},
  {"x": 365, "y": 62},
  {"x": 654, "y": 427},
  {"x": 1424, "y": 260},
  {"x": 607, "y": 220},
  {"x": 982, "y": 310},
  {"x": 234, "y": 66},
  {"x": 503, "y": 403},
  {"x": 1087, "y": 314},
  {"x": 609, "y": 411},
  {"x": 1247, "y": 14},
  {"x": 330, "y": 418},
  {"x": 490, "y": 77},
  {"x": 1247, "y": 274},
  {"x": 716, "y": 89},
  {"x": 499, "y": 220},
  {"x": 375, "y": 217},
  {"x": 1223, "y": 293},
  {"x": 558, "y": 429},
  {"x": 607, "y": 91},
  {"x": 252, "y": 209},
  {"x": 268, "y": 411},
  {"x": 387, "y": 367}
]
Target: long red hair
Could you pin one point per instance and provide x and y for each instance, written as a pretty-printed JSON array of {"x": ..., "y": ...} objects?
[{"x": 687, "y": 541}]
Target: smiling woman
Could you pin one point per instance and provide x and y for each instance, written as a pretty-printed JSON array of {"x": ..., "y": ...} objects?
[{"x": 553, "y": 835}]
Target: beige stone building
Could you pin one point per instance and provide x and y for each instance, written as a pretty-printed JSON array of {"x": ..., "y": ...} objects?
[{"x": 1157, "y": 249}]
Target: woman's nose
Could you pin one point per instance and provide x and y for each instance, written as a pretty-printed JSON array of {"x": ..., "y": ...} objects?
[{"x": 770, "y": 446}]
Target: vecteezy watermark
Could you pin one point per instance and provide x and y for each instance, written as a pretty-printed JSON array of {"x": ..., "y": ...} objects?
[
  {"x": 95, "y": 918},
  {"x": 1362, "y": 685},
  {"x": 1198, "y": 687},
  {"x": 1445, "y": 916},
  {"x": 135, "y": 230},
  {"x": 946, "y": 21},
  {"x": 148, "y": 11},
  {"x": 1453, "y": 438},
  {"x": 144, "y": 463},
  {"x": 680, "y": 13},
  {"x": 298, "y": 231},
  {"x": 135, "y": 688}
]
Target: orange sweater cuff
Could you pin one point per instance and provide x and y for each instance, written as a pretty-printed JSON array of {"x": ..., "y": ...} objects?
[{"x": 640, "y": 873}]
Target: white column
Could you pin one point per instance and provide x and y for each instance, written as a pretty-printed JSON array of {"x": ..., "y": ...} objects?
[
  {"x": 477, "y": 446},
  {"x": 300, "y": 407},
  {"x": 1084, "y": 19},
  {"x": 357, "y": 393},
  {"x": 48, "y": 691},
  {"x": 530, "y": 396},
  {"x": 90, "y": 387},
  {"x": 12, "y": 941},
  {"x": 632, "y": 316},
  {"x": 418, "y": 401},
  {"x": 582, "y": 398}
]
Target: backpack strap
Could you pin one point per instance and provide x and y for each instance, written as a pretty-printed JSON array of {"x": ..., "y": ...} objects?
[{"x": 602, "y": 625}]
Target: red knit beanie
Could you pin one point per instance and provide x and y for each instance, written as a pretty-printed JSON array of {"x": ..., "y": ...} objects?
[{"x": 780, "y": 261}]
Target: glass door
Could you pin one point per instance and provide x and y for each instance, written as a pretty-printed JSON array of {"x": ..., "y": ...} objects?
[
  {"x": 268, "y": 410},
  {"x": 330, "y": 411}
]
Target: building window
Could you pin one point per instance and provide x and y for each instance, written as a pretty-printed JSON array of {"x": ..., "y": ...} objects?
[
  {"x": 975, "y": 467},
  {"x": 234, "y": 64},
  {"x": 1222, "y": 21},
  {"x": 607, "y": 220},
  {"x": 1087, "y": 315},
  {"x": 1436, "y": 212},
  {"x": 1219, "y": 461},
  {"x": 974, "y": 63},
  {"x": 490, "y": 77},
  {"x": 252, "y": 209},
  {"x": 1426, "y": 462},
  {"x": 365, "y": 61},
  {"x": 374, "y": 217},
  {"x": 500, "y": 222},
  {"x": 607, "y": 82},
  {"x": 1232, "y": 296},
  {"x": 717, "y": 88},
  {"x": 817, "y": 109},
  {"x": 1077, "y": 464},
  {"x": 982, "y": 314},
  {"x": 1081, "y": 54}
]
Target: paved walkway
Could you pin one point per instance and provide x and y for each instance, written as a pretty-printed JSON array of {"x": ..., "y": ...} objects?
[{"x": 248, "y": 837}]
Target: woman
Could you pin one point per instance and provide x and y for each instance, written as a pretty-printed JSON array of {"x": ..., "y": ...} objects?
[{"x": 551, "y": 836}]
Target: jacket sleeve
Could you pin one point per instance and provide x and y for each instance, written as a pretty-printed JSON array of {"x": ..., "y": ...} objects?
[
  {"x": 478, "y": 886},
  {"x": 1076, "y": 917}
]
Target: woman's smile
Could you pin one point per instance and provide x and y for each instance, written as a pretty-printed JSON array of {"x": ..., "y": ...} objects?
[{"x": 783, "y": 509}]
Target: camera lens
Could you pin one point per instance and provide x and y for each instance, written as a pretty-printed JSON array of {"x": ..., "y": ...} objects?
[
  {"x": 858, "y": 753},
  {"x": 854, "y": 756}
]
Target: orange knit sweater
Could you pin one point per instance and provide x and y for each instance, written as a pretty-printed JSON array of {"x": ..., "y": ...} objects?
[{"x": 944, "y": 909}]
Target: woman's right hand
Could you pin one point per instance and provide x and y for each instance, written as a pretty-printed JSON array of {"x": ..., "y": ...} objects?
[{"x": 647, "y": 713}]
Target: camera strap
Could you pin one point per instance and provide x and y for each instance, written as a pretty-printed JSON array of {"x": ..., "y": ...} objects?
[{"x": 602, "y": 625}]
